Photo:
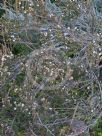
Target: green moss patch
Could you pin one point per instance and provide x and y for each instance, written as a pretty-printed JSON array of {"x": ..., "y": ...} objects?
[{"x": 21, "y": 49}]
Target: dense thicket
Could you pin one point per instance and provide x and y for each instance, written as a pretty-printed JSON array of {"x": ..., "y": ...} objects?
[{"x": 51, "y": 67}]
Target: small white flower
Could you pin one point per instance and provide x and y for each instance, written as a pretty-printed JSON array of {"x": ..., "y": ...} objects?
[
  {"x": 82, "y": 66},
  {"x": 43, "y": 99},
  {"x": 75, "y": 28},
  {"x": 59, "y": 26},
  {"x": 100, "y": 54},
  {"x": 16, "y": 89},
  {"x": 79, "y": 5},
  {"x": 35, "y": 105},
  {"x": 26, "y": 109},
  {"x": 68, "y": 62},
  {"x": 3, "y": 58},
  {"x": 94, "y": 52},
  {"x": 88, "y": 87},
  {"x": 92, "y": 111},
  {"x": 50, "y": 108},
  {"x": 50, "y": 30},
  {"x": 45, "y": 33},
  {"x": 68, "y": 28},
  {"x": 13, "y": 40},
  {"x": 22, "y": 105},
  {"x": 14, "y": 102},
  {"x": 15, "y": 108},
  {"x": 71, "y": 78},
  {"x": 9, "y": 73},
  {"x": 25, "y": 11},
  {"x": 66, "y": 100},
  {"x": 30, "y": 4},
  {"x": 51, "y": 15},
  {"x": 12, "y": 36}
]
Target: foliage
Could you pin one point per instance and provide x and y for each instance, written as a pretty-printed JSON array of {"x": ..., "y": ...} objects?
[{"x": 49, "y": 68}]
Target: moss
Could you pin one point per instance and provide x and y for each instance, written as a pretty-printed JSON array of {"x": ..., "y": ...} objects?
[
  {"x": 21, "y": 121},
  {"x": 64, "y": 130},
  {"x": 74, "y": 48},
  {"x": 97, "y": 130},
  {"x": 57, "y": 102},
  {"x": 2, "y": 11},
  {"x": 78, "y": 73},
  {"x": 21, "y": 133},
  {"x": 20, "y": 78},
  {"x": 21, "y": 49},
  {"x": 34, "y": 36}
]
